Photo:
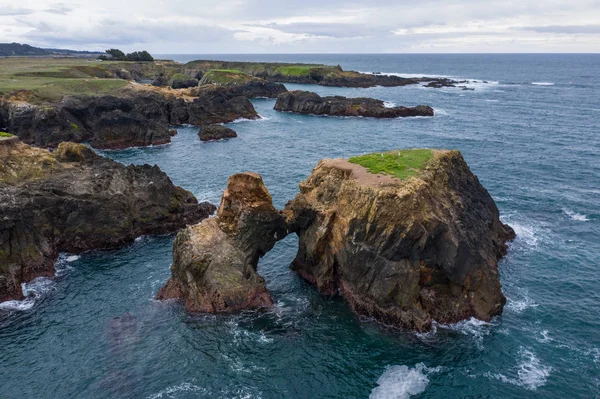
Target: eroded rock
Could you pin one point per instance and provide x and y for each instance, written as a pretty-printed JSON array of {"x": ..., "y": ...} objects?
[
  {"x": 214, "y": 262},
  {"x": 403, "y": 251},
  {"x": 215, "y": 132}
]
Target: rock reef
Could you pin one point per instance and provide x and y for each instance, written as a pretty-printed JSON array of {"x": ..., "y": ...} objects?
[
  {"x": 305, "y": 102},
  {"x": 214, "y": 262},
  {"x": 73, "y": 200}
]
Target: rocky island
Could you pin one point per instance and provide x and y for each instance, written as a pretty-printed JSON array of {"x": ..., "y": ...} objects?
[
  {"x": 215, "y": 132},
  {"x": 407, "y": 237},
  {"x": 73, "y": 200},
  {"x": 306, "y": 102}
]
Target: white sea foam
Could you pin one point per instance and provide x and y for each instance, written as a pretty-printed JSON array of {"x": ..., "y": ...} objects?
[
  {"x": 473, "y": 327},
  {"x": 171, "y": 391},
  {"x": 576, "y": 216},
  {"x": 389, "y": 104},
  {"x": 440, "y": 111},
  {"x": 518, "y": 306},
  {"x": 72, "y": 258},
  {"x": 545, "y": 337},
  {"x": 525, "y": 233},
  {"x": 402, "y": 382},
  {"x": 529, "y": 373},
  {"x": 32, "y": 291},
  {"x": 542, "y": 83}
]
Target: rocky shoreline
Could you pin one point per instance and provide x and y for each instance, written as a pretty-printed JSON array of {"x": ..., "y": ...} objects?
[
  {"x": 407, "y": 248},
  {"x": 305, "y": 102},
  {"x": 73, "y": 200}
]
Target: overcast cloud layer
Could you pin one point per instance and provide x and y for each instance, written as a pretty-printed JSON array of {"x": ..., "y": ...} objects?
[{"x": 306, "y": 26}]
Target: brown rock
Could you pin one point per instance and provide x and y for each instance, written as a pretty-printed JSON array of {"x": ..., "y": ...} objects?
[
  {"x": 404, "y": 251},
  {"x": 214, "y": 262}
]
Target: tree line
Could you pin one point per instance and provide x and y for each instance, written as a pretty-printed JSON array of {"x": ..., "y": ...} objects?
[{"x": 117, "y": 55}]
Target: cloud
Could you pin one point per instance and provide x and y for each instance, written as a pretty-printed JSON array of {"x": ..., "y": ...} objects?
[
  {"x": 233, "y": 26},
  {"x": 9, "y": 10},
  {"x": 566, "y": 29},
  {"x": 59, "y": 8},
  {"x": 324, "y": 29}
]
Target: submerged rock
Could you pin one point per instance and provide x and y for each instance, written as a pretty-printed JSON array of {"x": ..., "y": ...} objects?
[
  {"x": 404, "y": 250},
  {"x": 214, "y": 262},
  {"x": 215, "y": 132},
  {"x": 73, "y": 200},
  {"x": 305, "y": 102}
]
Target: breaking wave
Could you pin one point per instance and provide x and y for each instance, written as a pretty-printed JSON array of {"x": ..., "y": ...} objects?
[
  {"x": 402, "y": 382},
  {"x": 529, "y": 373}
]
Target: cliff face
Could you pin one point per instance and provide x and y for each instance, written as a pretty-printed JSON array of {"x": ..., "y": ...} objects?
[
  {"x": 404, "y": 251},
  {"x": 214, "y": 262},
  {"x": 135, "y": 117},
  {"x": 305, "y": 102},
  {"x": 74, "y": 200}
]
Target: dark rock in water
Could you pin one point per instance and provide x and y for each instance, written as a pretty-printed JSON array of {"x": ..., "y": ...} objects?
[
  {"x": 214, "y": 262},
  {"x": 438, "y": 84},
  {"x": 172, "y": 132},
  {"x": 403, "y": 251},
  {"x": 305, "y": 102},
  {"x": 217, "y": 104},
  {"x": 215, "y": 132},
  {"x": 73, "y": 200}
]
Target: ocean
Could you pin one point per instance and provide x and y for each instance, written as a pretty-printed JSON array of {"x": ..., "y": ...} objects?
[{"x": 529, "y": 130}]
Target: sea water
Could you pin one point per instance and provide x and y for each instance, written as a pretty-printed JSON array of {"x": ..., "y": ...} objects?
[{"x": 529, "y": 130}]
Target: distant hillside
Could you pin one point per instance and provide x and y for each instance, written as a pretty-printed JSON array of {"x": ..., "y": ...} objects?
[{"x": 17, "y": 49}]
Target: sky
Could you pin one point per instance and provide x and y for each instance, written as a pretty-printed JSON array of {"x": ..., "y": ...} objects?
[{"x": 306, "y": 26}]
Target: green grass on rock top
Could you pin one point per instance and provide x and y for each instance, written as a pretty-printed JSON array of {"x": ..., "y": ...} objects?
[
  {"x": 4, "y": 134},
  {"x": 401, "y": 164}
]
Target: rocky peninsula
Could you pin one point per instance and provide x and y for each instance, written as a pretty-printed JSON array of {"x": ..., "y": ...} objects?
[
  {"x": 324, "y": 75},
  {"x": 306, "y": 102},
  {"x": 73, "y": 200},
  {"x": 406, "y": 237}
]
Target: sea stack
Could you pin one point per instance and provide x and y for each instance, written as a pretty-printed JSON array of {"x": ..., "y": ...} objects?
[
  {"x": 407, "y": 237},
  {"x": 214, "y": 262}
]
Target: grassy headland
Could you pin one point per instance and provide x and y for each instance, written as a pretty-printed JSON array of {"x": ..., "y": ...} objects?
[
  {"x": 47, "y": 80},
  {"x": 401, "y": 164}
]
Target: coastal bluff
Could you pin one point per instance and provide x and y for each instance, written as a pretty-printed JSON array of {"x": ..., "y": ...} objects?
[
  {"x": 406, "y": 237},
  {"x": 73, "y": 200}
]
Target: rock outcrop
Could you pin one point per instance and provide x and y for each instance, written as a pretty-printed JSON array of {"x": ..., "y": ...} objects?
[
  {"x": 305, "y": 102},
  {"x": 214, "y": 262},
  {"x": 215, "y": 132},
  {"x": 136, "y": 117},
  {"x": 74, "y": 200},
  {"x": 243, "y": 84},
  {"x": 403, "y": 251}
]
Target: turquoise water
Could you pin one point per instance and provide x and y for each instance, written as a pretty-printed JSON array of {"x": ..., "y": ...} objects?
[{"x": 535, "y": 147}]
